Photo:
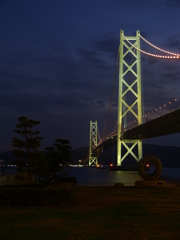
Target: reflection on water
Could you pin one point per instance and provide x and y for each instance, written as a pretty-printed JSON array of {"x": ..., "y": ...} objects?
[
  {"x": 104, "y": 177},
  {"x": 93, "y": 176}
]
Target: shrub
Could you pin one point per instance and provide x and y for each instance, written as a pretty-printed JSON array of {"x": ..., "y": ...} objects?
[
  {"x": 27, "y": 185},
  {"x": 35, "y": 196}
]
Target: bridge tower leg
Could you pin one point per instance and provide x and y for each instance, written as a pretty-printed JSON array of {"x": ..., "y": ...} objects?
[
  {"x": 127, "y": 88},
  {"x": 93, "y": 142}
]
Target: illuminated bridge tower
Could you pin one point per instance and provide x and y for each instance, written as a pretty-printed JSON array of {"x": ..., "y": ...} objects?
[
  {"x": 129, "y": 103},
  {"x": 93, "y": 143}
]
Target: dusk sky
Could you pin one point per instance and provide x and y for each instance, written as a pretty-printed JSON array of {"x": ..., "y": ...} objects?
[{"x": 58, "y": 60}]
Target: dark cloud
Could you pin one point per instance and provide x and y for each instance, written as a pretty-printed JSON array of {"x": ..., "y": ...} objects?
[
  {"x": 100, "y": 103},
  {"x": 115, "y": 104},
  {"x": 171, "y": 66},
  {"x": 109, "y": 44},
  {"x": 160, "y": 87},
  {"x": 173, "y": 3},
  {"x": 90, "y": 56},
  {"x": 174, "y": 44},
  {"x": 74, "y": 102},
  {"x": 153, "y": 61},
  {"x": 141, "y": 3},
  {"x": 169, "y": 76},
  {"x": 146, "y": 71},
  {"x": 147, "y": 60}
]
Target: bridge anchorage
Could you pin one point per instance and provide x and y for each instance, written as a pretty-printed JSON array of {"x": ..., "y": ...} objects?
[{"x": 131, "y": 139}]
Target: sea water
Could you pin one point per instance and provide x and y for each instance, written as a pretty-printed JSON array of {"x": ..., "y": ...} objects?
[
  {"x": 104, "y": 177},
  {"x": 91, "y": 176}
]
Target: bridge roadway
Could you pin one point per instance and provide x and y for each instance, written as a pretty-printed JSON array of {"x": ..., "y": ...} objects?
[{"x": 160, "y": 126}]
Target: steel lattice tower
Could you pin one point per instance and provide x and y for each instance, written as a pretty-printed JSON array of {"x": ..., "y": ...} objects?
[
  {"x": 93, "y": 142},
  {"x": 126, "y": 87}
]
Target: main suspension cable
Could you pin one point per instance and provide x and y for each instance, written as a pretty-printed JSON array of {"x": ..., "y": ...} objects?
[
  {"x": 111, "y": 95},
  {"x": 160, "y": 49},
  {"x": 177, "y": 56}
]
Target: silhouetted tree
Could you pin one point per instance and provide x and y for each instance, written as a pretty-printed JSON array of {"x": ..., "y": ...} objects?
[
  {"x": 63, "y": 148},
  {"x": 58, "y": 156},
  {"x": 40, "y": 166},
  {"x": 26, "y": 147}
]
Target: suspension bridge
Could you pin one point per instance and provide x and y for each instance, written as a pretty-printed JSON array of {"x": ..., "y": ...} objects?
[{"x": 135, "y": 122}]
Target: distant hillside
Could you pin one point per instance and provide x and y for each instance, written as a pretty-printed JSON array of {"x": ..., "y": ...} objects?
[
  {"x": 80, "y": 154},
  {"x": 76, "y": 155},
  {"x": 7, "y": 156},
  {"x": 169, "y": 155}
]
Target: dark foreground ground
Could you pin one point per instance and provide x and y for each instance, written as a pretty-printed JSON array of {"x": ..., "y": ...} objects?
[{"x": 99, "y": 213}]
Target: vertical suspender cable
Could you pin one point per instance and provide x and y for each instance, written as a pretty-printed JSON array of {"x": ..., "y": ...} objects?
[
  {"x": 177, "y": 83},
  {"x": 168, "y": 88},
  {"x": 111, "y": 95}
]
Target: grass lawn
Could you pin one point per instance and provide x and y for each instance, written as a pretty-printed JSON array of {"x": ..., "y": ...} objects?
[{"x": 99, "y": 213}]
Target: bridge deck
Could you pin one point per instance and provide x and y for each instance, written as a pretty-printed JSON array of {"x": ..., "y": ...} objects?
[{"x": 163, "y": 125}]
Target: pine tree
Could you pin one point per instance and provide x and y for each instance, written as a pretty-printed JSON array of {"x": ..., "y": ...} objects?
[
  {"x": 58, "y": 156},
  {"x": 63, "y": 148},
  {"x": 26, "y": 147}
]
